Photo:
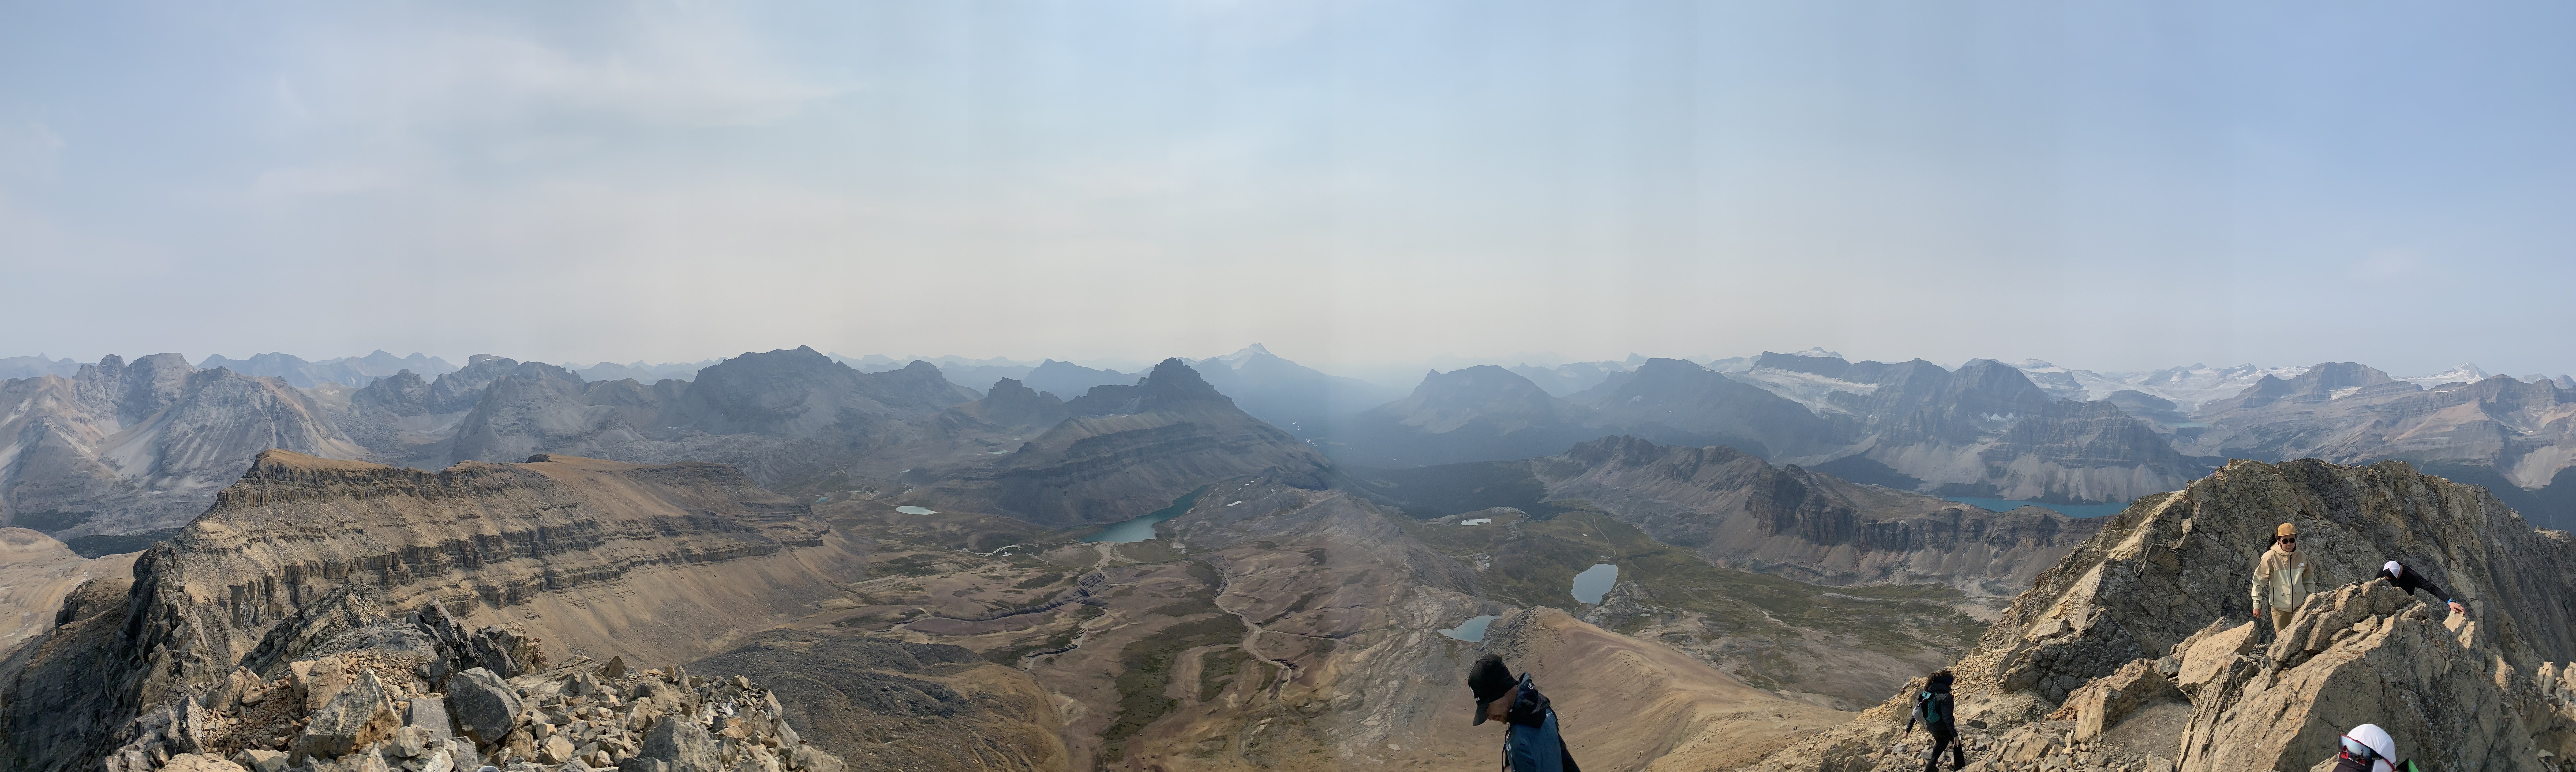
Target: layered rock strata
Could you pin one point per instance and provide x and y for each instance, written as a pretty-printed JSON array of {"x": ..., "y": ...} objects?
[{"x": 658, "y": 563}]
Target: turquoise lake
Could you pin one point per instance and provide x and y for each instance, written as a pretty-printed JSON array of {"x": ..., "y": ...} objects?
[
  {"x": 1471, "y": 630},
  {"x": 1141, "y": 528},
  {"x": 1590, "y": 585},
  {"x": 2069, "y": 510}
]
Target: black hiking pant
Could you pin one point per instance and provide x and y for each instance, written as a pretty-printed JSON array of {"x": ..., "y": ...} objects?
[{"x": 1949, "y": 739}]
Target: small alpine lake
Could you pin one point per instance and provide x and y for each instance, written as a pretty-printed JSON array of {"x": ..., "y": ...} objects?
[
  {"x": 1594, "y": 582},
  {"x": 1472, "y": 630},
  {"x": 1141, "y": 527}
]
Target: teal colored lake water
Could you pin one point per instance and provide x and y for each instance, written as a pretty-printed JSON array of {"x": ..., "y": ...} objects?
[
  {"x": 912, "y": 510},
  {"x": 2069, "y": 510},
  {"x": 1141, "y": 528},
  {"x": 1590, "y": 585},
  {"x": 1471, "y": 630}
]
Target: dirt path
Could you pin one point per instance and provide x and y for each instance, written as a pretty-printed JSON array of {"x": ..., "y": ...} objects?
[{"x": 1253, "y": 630}]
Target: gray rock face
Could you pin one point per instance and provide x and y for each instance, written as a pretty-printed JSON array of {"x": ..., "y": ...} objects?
[
  {"x": 361, "y": 714},
  {"x": 430, "y": 716},
  {"x": 179, "y": 435},
  {"x": 680, "y": 746},
  {"x": 485, "y": 706}
]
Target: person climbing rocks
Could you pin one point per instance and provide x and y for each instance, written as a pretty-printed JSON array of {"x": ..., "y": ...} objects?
[
  {"x": 2410, "y": 581},
  {"x": 1530, "y": 741},
  {"x": 1932, "y": 707},
  {"x": 2282, "y": 578},
  {"x": 2368, "y": 748}
]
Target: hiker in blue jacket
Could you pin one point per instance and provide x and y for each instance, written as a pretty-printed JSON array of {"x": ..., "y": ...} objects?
[
  {"x": 1530, "y": 741},
  {"x": 1932, "y": 708}
]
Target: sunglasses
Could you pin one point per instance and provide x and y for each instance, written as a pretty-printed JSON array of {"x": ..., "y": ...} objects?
[{"x": 2289, "y": 540}]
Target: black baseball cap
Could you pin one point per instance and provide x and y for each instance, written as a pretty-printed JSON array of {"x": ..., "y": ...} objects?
[{"x": 1491, "y": 681}]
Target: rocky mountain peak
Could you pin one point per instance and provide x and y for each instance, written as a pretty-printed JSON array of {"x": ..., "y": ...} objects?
[{"x": 2153, "y": 611}]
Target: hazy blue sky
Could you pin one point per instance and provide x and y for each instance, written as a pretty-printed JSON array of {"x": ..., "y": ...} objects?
[{"x": 2113, "y": 185}]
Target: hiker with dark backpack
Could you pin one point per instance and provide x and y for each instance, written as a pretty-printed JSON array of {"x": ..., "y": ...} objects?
[
  {"x": 1530, "y": 741},
  {"x": 1932, "y": 709}
]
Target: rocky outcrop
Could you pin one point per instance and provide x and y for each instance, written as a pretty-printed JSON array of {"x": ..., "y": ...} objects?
[
  {"x": 2162, "y": 588},
  {"x": 305, "y": 557},
  {"x": 119, "y": 448},
  {"x": 1740, "y": 512}
]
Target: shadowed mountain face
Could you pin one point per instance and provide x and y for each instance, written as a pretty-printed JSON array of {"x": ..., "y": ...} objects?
[
  {"x": 1480, "y": 413},
  {"x": 1673, "y": 401},
  {"x": 1127, "y": 451},
  {"x": 1983, "y": 430},
  {"x": 1739, "y": 512},
  {"x": 1299, "y": 400}
]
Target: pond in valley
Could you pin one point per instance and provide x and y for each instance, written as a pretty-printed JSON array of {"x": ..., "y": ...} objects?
[
  {"x": 1590, "y": 585},
  {"x": 1471, "y": 630},
  {"x": 1141, "y": 528}
]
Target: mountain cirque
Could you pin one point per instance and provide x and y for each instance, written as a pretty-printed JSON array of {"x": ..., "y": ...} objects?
[{"x": 2135, "y": 651}]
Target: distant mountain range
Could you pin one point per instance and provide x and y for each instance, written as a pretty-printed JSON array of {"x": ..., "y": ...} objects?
[{"x": 114, "y": 447}]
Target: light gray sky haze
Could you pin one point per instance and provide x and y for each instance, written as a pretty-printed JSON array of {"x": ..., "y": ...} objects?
[{"x": 2121, "y": 185}]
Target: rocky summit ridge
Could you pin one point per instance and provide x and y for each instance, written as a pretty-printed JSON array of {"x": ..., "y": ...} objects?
[{"x": 2137, "y": 650}]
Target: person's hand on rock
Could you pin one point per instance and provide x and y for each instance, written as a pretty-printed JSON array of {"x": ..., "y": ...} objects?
[{"x": 2456, "y": 608}]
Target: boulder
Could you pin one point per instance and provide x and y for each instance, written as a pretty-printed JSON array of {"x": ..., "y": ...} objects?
[
  {"x": 679, "y": 745},
  {"x": 430, "y": 715},
  {"x": 193, "y": 762},
  {"x": 616, "y": 668},
  {"x": 318, "y": 680},
  {"x": 360, "y": 714},
  {"x": 2101, "y": 704},
  {"x": 261, "y": 760},
  {"x": 2207, "y": 657},
  {"x": 554, "y": 750},
  {"x": 484, "y": 706}
]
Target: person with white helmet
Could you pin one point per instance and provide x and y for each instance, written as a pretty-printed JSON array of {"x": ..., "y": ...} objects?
[
  {"x": 2368, "y": 748},
  {"x": 2411, "y": 580}
]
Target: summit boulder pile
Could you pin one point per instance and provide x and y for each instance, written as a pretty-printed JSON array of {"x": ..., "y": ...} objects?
[{"x": 391, "y": 697}]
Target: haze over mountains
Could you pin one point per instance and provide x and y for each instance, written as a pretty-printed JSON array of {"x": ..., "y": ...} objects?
[
  {"x": 1784, "y": 553},
  {"x": 96, "y": 452}
]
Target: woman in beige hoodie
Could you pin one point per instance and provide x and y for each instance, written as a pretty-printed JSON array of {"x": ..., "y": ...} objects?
[{"x": 2282, "y": 579}]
